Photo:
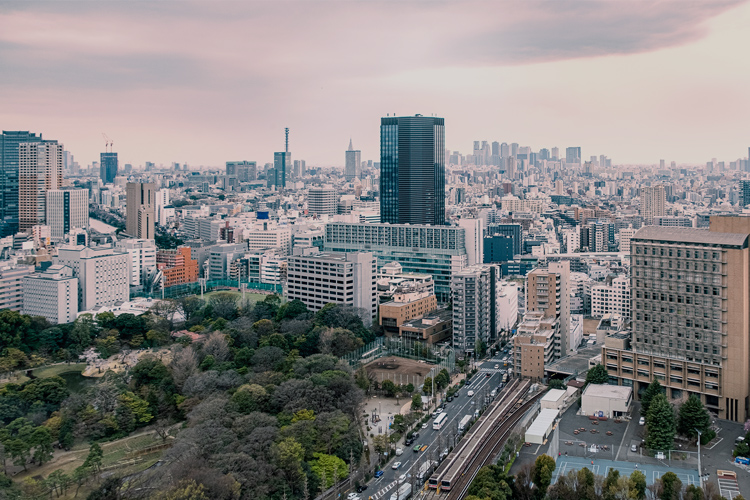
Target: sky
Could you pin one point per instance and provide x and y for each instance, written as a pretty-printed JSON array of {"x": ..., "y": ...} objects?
[{"x": 208, "y": 82}]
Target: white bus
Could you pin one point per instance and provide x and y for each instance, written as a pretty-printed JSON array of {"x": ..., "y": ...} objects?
[
  {"x": 463, "y": 423},
  {"x": 439, "y": 421}
]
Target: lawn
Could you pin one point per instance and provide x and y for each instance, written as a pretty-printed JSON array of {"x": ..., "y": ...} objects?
[
  {"x": 253, "y": 297},
  {"x": 46, "y": 372}
]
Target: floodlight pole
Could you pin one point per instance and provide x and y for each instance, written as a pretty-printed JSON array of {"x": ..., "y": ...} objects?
[{"x": 700, "y": 471}]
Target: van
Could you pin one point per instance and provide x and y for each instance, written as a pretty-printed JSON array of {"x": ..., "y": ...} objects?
[
  {"x": 739, "y": 440},
  {"x": 399, "y": 452},
  {"x": 493, "y": 393}
]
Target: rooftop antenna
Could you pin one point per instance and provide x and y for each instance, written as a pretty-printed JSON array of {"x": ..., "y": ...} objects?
[{"x": 286, "y": 141}]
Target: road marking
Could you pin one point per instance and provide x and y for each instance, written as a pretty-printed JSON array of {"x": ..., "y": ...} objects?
[{"x": 728, "y": 487}]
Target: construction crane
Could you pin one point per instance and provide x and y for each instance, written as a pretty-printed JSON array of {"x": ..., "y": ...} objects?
[{"x": 107, "y": 143}]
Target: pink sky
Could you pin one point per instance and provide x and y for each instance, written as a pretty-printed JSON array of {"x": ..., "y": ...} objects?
[{"x": 208, "y": 82}]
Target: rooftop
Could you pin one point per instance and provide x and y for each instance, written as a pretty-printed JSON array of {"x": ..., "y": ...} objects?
[
  {"x": 690, "y": 235},
  {"x": 608, "y": 391}
]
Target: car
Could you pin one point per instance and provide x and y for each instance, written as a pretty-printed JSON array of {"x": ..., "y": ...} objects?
[
  {"x": 402, "y": 478},
  {"x": 424, "y": 425},
  {"x": 438, "y": 411},
  {"x": 415, "y": 435},
  {"x": 362, "y": 487},
  {"x": 456, "y": 394},
  {"x": 642, "y": 421},
  {"x": 408, "y": 441},
  {"x": 497, "y": 366},
  {"x": 470, "y": 393},
  {"x": 449, "y": 399},
  {"x": 352, "y": 496},
  {"x": 633, "y": 448},
  {"x": 417, "y": 448},
  {"x": 424, "y": 447},
  {"x": 488, "y": 374},
  {"x": 396, "y": 465},
  {"x": 378, "y": 473}
]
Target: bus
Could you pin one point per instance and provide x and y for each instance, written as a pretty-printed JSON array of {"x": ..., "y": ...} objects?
[
  {"x": 439, "y": 421},
  {"x": 464, "y": 423}
]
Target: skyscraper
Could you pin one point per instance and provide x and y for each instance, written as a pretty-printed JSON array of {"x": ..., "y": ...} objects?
[
  {"x": 573, "y": 155},
  {"x": 412, "y": 170},
  {"x": 652, "y": 203},
  {"x": 140, "y": 210},
  {"x": 353, "y": 163},
  {"x": 282, "y": 163},
  {"x": 108, "y": 167},
  {"x": 9, "y": 142},
  {"x": 67, "y": 208},
  {"x": 39, "y": 170}
]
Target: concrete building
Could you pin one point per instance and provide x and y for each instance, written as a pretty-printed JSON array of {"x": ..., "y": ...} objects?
[
  {"x": 67, "y": 208},
  {"x": 108, "y": 167},
  {"x": 220, "y": 258},
  {"x": 542, "y": 425},
  {"x": 406, "y": 305},
  {"x": 318, "y": 279},
  {"x": 625, "y": 235},
  {"x": 9, "y": 177},
  {"x": 103, "y": 274},
  {"x": 142, "y": 259},
  {"x": 604, "y": 400},
  {"x": 177, "y": 266},
  {"x": 689, "y": 320},
  {"x": 653, "y": 203},
  {"x": 506, "y": 302},
  {"x": 614, "y": 298},
  {"x": 202, "y": 228},
  {"x": 39, "y": 170},
  {"x": 547, "y": 292},
  {"x": 535, "y": 346},
  {"x": 11, "y": 285},
  {"x": 352, "y": 170},
  {"x": 140, "y": 210},
  {"x": 321, "y": 201},
  {"x": 267, "y": 234},
  {"x": 472, "y": 307},
  {"x": 473, "y": 240},
  {"x": 433, "y": 327},
  {"x": 554, "y": 399},
  {"x": 436, "y": 250},
  {"x": 51, "y": 294},
  {"x": 163, "y": 214}
]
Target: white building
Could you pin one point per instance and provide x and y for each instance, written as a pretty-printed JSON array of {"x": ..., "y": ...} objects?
[
  {"x": 321, "y": 201},
  {"x": 67, "y": 208},
  {"x": 653, "y": 203},
  {"x": 162, "y": 201},
  {"x": 624, "y": 235},
  {"x": 51, "y": 294},
  {"x": 506, "y": 297},
  {"x": 474, "y": 240},
  {"x": 318, "y": 279},
  {"x": 103, "y": 274},
  {"x": 267, "y": 234},
  {"x": 611, "y": 299},
  {"x": 572, "y": 238},
  {"x": 142, "y": 258},
  {"x": 11, "y": 285}
]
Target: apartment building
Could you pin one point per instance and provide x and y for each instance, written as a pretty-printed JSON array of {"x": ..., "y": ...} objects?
[
  {"x": 177, "y": 266},
  {"x": 611, "y": 299},
  {"x": 11, "y": 285},
  {"x": 103, "y": 274},
  {"x": 51, "y": 294},
  {"x": 266, "y": 234},
  {"x": 547, "y": 292},
  {"x": 142, "y": 259},
  {"x": 535, "y": 345}
]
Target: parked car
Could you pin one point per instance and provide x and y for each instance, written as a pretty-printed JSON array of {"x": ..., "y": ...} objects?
[
  {"x": 362, "y": 487},
  {"x": 378, "y": 473},
  {"x": 409, "y": 441},
  {"x": 424, "y": 425},
  {"x": 642, "y": 421},
  {"x": 396, "y": 465},
  {"x": 351, "y": 495},
  {"x": 449, "y": 398},
  {"x": 633, "y": 448},
  {"x": 399, "y": 451}
]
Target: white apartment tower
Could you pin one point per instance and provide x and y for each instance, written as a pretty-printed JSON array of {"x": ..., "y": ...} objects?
[
  {"x": 653, "y": 203},
  {"x": 142, "y": 259},
  {"x": 321, "y": 201},
  {"x": 67, "y": 208},
  {"x": 103, "y": 274},
  {"x": 51, "y": 294}
]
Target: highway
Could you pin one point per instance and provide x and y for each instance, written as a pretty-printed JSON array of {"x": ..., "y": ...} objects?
[{"x": 437, "y": 441}]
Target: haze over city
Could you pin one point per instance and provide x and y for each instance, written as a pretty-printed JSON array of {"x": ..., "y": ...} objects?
[{"x": 199, "y": 83}]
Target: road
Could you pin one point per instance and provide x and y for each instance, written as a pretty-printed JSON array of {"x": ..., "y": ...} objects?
[{"x": 437, "y": 440}]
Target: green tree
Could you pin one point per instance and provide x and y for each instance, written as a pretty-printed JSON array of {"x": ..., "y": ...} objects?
[
  {"x": 610, "y": 486},
  {"x": 224, "y": 305},
  {"x": 190, "y": 306},
  {"x": 94, "y": 458},
  {"x": 556, "y": 384},
  {"x": 652, "y": 390},
  {"x": 329, "y": 466},
  {"x": 671, "y": 485},
  {"x": 14, "y": 327},
  {"x": 19, "y": 450},
  {"x": 597, "y": 375},
  {"x": 692, "y": 416},
  {"x": 138, "y": 407},
  {"x": 291, "y": 310},
  {"x": 291, "y": 454},
  {"x": 416, "y": 403},
  {"x": 362, "y": 379},
  {"x": 389, "y": 387},
  {"x": 637, "y": 483},
  {"x": 661, "y": 424},
  {"x": 544, "y": 466},
  {"x": 187, "y": 489},
  {"x": 41, "y": 439},
  {"x": 427, "y": 387}
]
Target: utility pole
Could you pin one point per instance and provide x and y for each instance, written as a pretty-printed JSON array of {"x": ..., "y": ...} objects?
[{"x": 700, "y": 471}]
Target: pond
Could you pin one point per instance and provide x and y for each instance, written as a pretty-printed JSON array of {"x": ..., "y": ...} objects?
[{"x": 77, "y": 382}]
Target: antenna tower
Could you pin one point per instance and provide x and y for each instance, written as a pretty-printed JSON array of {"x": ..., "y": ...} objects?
[{"x": 286, "y": 141}]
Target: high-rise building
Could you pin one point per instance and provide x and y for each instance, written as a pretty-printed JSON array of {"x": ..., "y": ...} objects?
[
  {"x": 67, "y": 208},
  {"x": 108, "y": 167},
  {"x": 51, "y": 294},
  {"x": 471, "y": 289},
  {"x": 140, "y": 210},
  {"x": 11, "y": 285},
  {"x": 350, "y": 280},
  {"x": 244, "y": 171},
  {"x": 162, "y": 202},
  {"x": 689, "y": 316},
  {"x": 573, "y": 155},
  {"x": 39, "y": 170},
  {"x": 555, "y": 153},
  {"x": 412, "y": 170},
  {"x": 547, "y": 293},
  {"x": 321, "y": 201},
  {"x": 744, "y": 193},
  {"x": 353, "y": 163},
  {"x": 299, "y": 169},
  {"x": 653, "y": 203},
  {"x": 142, "y": 259},
  {"x": 102, "y": 272},
  {"x": 282, "y": 163},
  {"x": 9, "y": 141}
]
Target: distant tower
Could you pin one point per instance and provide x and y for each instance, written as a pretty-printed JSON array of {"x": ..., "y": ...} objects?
[
  {"x": 282, "y": 162},
  {"x": 353, "y": 167},
  {"x": 108, "y": 167},
  {"x": 39, "y": 171}
]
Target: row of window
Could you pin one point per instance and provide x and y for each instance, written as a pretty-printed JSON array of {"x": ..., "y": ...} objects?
[{"x": 678, "y": 252}]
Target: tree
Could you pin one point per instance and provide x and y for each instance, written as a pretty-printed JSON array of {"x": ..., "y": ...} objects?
[
  {"x": 427, "y": 387},
  {"x": 661, "y": 424},
  {"x": 652, "y": 390},
  {"x": 637, "y": 485},
  {"x": 94, "y": 458},
  {"x": 189, "y": 306},
  {"x": 556, "y": 384},
  {"x": 291, "y": 310},
  {"x": 544, "y": 466},
  {"x": 389, "y": 387},
  {"x": 692, "y": 416},
  {"x": 416, "y": 403},
  {"x": 380, "y": 443},
  {"x": 41, "y": 439},
  {"x": 597, "y": 375},
  {"x": 332, "y": 466},
  {"x": 224, "y": 305},
  {"x": 291, "y": 454},
  {"x": 184, "y": 363},
  {"x": 216, "y": 345},
  {"x": 187, "y": 489},
  {"x": 671, "y": 486}
]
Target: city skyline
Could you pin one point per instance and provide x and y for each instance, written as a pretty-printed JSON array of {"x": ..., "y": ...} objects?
[{"x": 161, "y": 98}]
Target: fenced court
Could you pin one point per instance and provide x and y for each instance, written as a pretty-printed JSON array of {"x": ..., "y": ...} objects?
[{"x": 602, "y": 468}]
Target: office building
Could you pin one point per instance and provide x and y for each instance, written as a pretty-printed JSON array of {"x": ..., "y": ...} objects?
[
  {"x": 282, "y": 163},
  {"x": 506, "y": 302},
  {"x": 407, "y": 304},
  {"x": 11, "y": 285},
  {"x": 547, "y": 292},
  {"x": 573, "y": 155},
  {"x": 140, "y": 210},
  {"x": 39, "y": 170},
  {"x": 352, "y": 170},
  {"x": 498, "y": 248},
  {"x": 177, "y": 266},
  {"x": 473, "y": 240},
  {"x": 204, "y": 228},
  {"x": 51, "y": 294},
  {"x": 67, "y": 208},
  {"x": 108, "y": 167},
  {"x": 268, "y": 234},
  {"x": 512, "y": 231},
  {"x": 142, "y": 259},
  {"x": 625, "y": 235},
  {"x": 318, "y": 279},
  {"x": 103, "y": 274},
  {"x": 611, "y": 298},
  {"x": 412, "y": 170},
  {"x": 220, "y": 258},
  {"x": 9, "y": 150},
  {"x": 243, "y": 171},
  {"x": 653, "y": 201},
  {"x": 745, "y": 191},
  {"x": 163, "y": 214},
  {"x": 689, "y": 320},
  {"x": 436, "y": 250},
  {"x": 321, "y": 201},
  {"x": 299, "y": 169}
]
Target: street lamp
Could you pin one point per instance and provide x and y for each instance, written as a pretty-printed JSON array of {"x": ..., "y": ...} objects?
[{"x": 700, "y": 471}]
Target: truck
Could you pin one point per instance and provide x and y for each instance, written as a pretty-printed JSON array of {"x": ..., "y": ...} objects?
[
  {"x": 464, "y": 423},
  {"x": 423, "y": 470},
  {"x": 403, "y": 492}
]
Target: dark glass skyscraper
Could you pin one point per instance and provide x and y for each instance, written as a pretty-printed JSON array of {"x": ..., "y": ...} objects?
[
  {"x": 9, "y": 186},
  {"x": 412, "y": 170},
  {"x": 108, "y": 167}
]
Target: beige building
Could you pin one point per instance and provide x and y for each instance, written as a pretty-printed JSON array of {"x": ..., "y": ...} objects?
[
  {"x": 690, "y": 316},
  {"x": 653, "y": 203},
  {"x": 433, "y": 327},
  {"x": 534, "y": 345},
  {"x": 606, "y": 400},
  {"x": 140, "y": 210},
  {"x": 547, "y": 292},
  {"x": 405, "y": 306},
  {"x": 39, "y": 170}
]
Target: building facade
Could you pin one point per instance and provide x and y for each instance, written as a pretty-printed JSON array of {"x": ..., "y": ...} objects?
[
  {"x": 140, "y": 210},
  {"x": 142, "y": 259},
  {"x": 67, "y": 208},
  {"x": 352, "y": 170},
  {"x": 103, "y": 274},
  {"x": 108, "y": 167},
  {"x": 11, "y": 285},
  {"x": 412, "y": 170},
  {"x": 611, "y": 299},
  {"x": 39, "y": 170},
  {"x": 321, "y": 201},
  {"x": 51, "y": 294},
  {"x": 177, "y": 266},
  {"x": 653, "y": 203},
  {"x": 9, "y": 177}
]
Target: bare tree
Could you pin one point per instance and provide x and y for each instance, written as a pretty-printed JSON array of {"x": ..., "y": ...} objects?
[
  {"x": 216, "y": 345},
  {"x": 184, "y": 363},
  {"x": 162, "y": 429}
]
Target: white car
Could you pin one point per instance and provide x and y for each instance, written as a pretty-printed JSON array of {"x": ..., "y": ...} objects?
[
  {"x": 470, "y": 393},
  {"x": 642, "y": 421},
  {"x": 402, "y": 478},
  {"x": 424, "y": 425},
  {"x": 351, "y": 496},
  {"x": 497, "y": 366},
  {"x": 396, "y": 465}
]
